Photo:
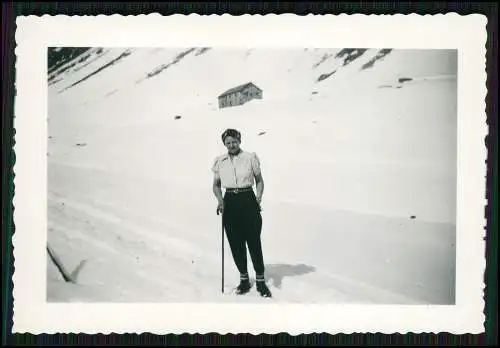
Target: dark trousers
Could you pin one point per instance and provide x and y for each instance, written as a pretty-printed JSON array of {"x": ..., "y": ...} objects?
[{"x": 243, "y": 224}]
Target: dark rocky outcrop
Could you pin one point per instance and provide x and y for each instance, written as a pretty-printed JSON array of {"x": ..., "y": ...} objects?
[
  {"x": 325, "y": 76},
  {"x": 176, "y": 60},
  {"x": 381, "y": 54},
  {"x": 350, "y": 54}
]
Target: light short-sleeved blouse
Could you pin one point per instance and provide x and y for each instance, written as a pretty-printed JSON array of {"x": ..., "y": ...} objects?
[{"x": 237, "y": 171}]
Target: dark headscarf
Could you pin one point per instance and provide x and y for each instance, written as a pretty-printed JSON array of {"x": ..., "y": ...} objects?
[{"x": 231, "y": 133}]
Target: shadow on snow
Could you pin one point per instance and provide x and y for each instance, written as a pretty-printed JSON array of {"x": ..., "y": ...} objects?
[{"x": 276, "y": 272}]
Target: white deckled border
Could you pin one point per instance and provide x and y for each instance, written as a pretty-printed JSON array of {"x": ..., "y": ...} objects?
[{"x": 34, "y": 34}]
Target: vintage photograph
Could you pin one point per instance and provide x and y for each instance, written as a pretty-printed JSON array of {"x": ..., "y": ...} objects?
[
  {"x": 303, "y": 175},
  {"x": 257, "y": 174}
]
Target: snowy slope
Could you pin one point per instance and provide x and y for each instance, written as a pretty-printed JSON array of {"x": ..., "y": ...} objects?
[{"x": 347, "y": 161}]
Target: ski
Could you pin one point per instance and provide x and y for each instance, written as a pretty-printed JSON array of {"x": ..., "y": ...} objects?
[{"x": 68, "y": 277}]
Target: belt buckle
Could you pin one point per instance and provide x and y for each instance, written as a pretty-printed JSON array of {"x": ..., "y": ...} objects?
[{"x": 236, "y": 190}]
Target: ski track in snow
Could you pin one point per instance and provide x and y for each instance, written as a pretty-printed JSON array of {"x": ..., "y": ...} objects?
[{"x": 136, "y": 200}]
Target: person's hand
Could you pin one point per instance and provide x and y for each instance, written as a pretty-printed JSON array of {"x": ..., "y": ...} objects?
[
  {"x": 220, "y": 208},
  {"x": 259, "y": 200}
]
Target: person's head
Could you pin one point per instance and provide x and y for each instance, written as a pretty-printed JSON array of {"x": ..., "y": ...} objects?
[{"x": 232, "y": 140}]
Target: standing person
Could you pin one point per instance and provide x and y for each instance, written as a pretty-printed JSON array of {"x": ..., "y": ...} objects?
[{"x": 236, "y": 171}]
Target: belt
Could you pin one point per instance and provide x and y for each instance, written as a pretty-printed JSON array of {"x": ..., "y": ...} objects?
[{"x": 238, "y": 190}]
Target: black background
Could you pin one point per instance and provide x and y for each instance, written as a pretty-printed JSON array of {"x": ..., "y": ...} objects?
[{"x": 11, "y": 10}]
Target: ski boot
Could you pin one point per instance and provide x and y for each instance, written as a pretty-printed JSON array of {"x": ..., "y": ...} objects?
[
  {"x": 244, "y": 286},
  {"x": 262, "y": 288}
]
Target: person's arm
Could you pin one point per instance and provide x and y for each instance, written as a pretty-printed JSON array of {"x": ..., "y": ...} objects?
[
  {"x": 216, "y": 187},
  {"x": 259, "y": 181}
]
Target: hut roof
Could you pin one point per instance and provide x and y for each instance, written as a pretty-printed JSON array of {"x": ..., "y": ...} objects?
[{"x": 238, "y": 89}]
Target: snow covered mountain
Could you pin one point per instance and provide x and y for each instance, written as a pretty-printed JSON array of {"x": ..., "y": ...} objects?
[{"x": 358, "y": 151}]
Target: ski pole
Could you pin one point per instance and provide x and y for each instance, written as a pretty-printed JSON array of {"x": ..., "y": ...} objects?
[{"x": 222, "y": 224}]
